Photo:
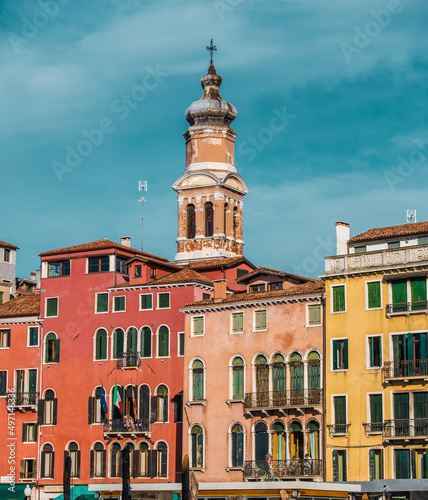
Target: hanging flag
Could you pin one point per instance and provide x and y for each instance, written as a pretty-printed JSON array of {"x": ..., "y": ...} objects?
[
  {"x": 117, "y": 400},
  {"x": 103, "y": 403}
]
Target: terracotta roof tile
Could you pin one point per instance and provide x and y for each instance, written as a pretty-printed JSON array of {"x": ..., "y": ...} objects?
[
  {"x": 267, "y": 270},
  {"x": 310, "y": 288},
  {"x": 218, "y": 263},
  {"x": 184, "y": 276},
  {"x": 380, "y": 233},
  {"x": 100, "y": 245},
  {"x": 26, "y": 305},
  {"x": 8, "y": 245}
]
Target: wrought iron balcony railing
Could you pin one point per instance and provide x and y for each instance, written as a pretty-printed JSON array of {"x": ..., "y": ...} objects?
[
  {"x": 405, "y": 368},
  {"x": 405, "y": 307},
  {"x": 283, "y": 399},
  {"x": 22, "y": 399},
  {"x": 374, "y": 428},
  {"x": 406, "y": 428},
  {"x": 338, "y": 429},
  {"x": 277, "y": 470},
  {"x": 126, "y": 425},
  {"x": 129, "y": 360}
]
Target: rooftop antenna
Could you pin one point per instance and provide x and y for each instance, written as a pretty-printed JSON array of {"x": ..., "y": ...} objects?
[
  {"x": 142, "y": 186},
  {"x": 411, "y": 216}
]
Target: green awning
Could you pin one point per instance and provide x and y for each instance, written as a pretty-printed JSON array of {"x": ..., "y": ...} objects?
[
  {"x": 7, "y": 493},
  {"x": 80, "y": 492}
]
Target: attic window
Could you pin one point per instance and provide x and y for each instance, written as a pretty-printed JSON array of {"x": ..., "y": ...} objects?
[
  {"x": 275, "y": 286},
  {"x": 394, "y": 244},
  {"x": 239, "y": 274},
  {"x": 152, "y": 273},
  {"x": 137, "y": 271},
  {"x": 423, "y": 240},
  {"x": 258, "y": 288},
  {"x": 361, "y": 249},
  {"x": 6, "y": 255}
]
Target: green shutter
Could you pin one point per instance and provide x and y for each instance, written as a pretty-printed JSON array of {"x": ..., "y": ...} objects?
[
  {"x": 345, "y": 354},
  {"x": 32, "y": 380},
  {"x": 260, "y": 319},
  {"x": 103, "y": 345},
  {"x": 198, "y": 380},
  {"x": 399, "y": 292},
  {"x": 335, "y": 465},
  {"x": 339, "y": 298},
  {"x": 402, "y": 464},
  {"x": 340, "y": 410},
  {"x": 335, "y": 367},
  {"x": 198, "y": 325},
  {"x": 181, "y": 344},
  {"x": 401, "y": 406},
  {"x": 237, "y": 322},
  {"x": 163, "y": 300},
  {"x": 376, "y": 413},
  {"x": 146, "y": 301},
  {"x": 418, "y": 289},
  {"x": 52, "y": 307},
  {"x": 373, "y": 291},
  {"x": 372, "y": 465},
  {"x": 56, "y": 351},
  {"x": 421, "y": 404},
  {"x": 314, "y": 314},
  {"x": 102, "y": 302},
  {"x": 146, "y": 342},
  {"x": 238, "y": 381}
]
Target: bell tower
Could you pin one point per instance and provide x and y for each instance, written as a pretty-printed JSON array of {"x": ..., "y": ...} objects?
[{"x": 210, "y": 191}]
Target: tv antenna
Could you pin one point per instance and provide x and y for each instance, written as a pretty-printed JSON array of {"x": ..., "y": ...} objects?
[
  {"x": 142, "y": 186},
  {"x": 411, "y": 216}
]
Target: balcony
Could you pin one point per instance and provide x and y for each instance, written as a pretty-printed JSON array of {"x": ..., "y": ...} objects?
[
  {"x": 374, "y": 428},
  {"x": 415, "y": 428},
  {"x": 125, "y": 427},
  {"x": 338, "y": 429},
  {"x": 405, "y": 370},
  {"x": 407, "y": 308},
  {"x": 23, "y": 401},
  {"x": 282, "y": 400},
  {"x": 280, "y": 470},
  {"x": 129, "y": 360}
]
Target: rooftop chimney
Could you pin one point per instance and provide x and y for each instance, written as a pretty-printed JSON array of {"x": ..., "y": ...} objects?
[
  {"x": 125, "y": 241},
  {"x": 220, "y": 290},
  {"x": 343, "y": 234}
]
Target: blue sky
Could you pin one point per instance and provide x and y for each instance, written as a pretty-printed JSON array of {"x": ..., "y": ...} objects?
[{"x": 349, "y": 77}]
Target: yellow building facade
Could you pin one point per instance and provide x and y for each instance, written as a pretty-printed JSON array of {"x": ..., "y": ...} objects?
[{"x": 376, "y": 359}]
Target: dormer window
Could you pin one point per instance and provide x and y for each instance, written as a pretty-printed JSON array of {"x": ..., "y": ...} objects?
[
  {"x": 275, "y": 286},
  {"x": 258, "y": 288},
  {"x": 137, "y": 271},
  {"x": 121, "y": 266},
  {"x": 153, "y": 273}
]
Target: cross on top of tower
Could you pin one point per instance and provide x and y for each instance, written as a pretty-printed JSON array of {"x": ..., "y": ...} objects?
[{"x": 211, "y": 48}]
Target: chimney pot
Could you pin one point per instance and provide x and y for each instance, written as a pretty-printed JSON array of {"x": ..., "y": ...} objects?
[
  {"x": 343, "y": 233},
  {"x": 125, "y": 241},
  {"x": 220, "y": 290}
]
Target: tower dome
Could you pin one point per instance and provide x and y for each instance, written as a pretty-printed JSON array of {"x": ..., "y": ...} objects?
[{"x": 211, "y": 109}]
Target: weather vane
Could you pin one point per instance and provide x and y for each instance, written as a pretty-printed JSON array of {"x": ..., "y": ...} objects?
[{"x": 211, "y": 48}]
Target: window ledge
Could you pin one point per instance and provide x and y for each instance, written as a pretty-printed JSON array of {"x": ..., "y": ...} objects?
[
  {"x": 232, "y": 401},
  {"x": 201, "y": 402},
  {"x": 264, "y": 330},
  {"x": 197, "y": 469},
  {"x": 229, "y": 469}
]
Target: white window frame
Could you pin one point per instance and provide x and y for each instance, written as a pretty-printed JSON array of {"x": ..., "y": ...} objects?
[
  {"x": 6, "y": 330},
  {"x": 229, "y": 435},
  {"x": 231, "y": 332},
  {"x": 331, "y": 299},
  {"x": 38, "y": 336},
  {"x": 231, "y": 400},
  {"x": 95, "y": 345},
  {"x": 178, "y": 343},
  {"x": 191, "y": 400},
  {"x": 333, "y": 408},
  {"x": 139, "y": 302},
  {"x": 308, "y": 306},
  {"x": 57, "y": 306},
  {"x": 157, "y": 300},
  {"x": 194, "y": 424},
  {"x": 369, "y": 420},
  {"x": 367, "y": 295},
  {"x": 203, "y": 325},
  {"x": 96, "y": 303},
  {"x": 332, "y": 369},
  {"x": 254, "y": 320},
  {"x": 368, "y": 367}
]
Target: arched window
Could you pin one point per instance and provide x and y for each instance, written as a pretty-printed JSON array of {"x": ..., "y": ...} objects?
[
  {"x": 235, "y": 222},
  {"x": 226, "y": 208},
  {"x": 262, "y": 443},
  {"x": 118, "y": 343},
  {"x": 262, "y": 381},
  {"x": 296, "y": 376},
  {"x": 162, "y": 462},
  {"x": 237, "y": 446},
  {"x": 101, "y": 344},
  {"x": 51, "y": 348},
  {"x": 209, "y": 218},
  {"x": 47, "y": 461},
  {"x": 98, "y": 461},
  {"x": 191, "y": 225},
  {"x": 144, "y": 421},
  {"x": 146, "y": 342},
  {"x": 115, "y": 460},
  {"x": 314, "y": 376},
  {"x": 47, "y": 409},
  {"x": 279, "y": 380},
  {"x": 238, "y": 378},
  {"x": 197, "y": 380},
  {"x": 95, "y": 415},
  {"x": 314, "y": 440},
  {"x": 163, "y": 341},
  {"x": 160, "y": 405},
  {"x": 278, "y": 439},
  {"x": 74, "y": 453},
  {"x": 117, "y": 412},
  {"x": 130, "y": 403},
  {"x": 197, "y": 447},
  {"x": 296, "y": 441},
  {"x": 131, "y": 340},
  {"x": 143, "y": 454}
]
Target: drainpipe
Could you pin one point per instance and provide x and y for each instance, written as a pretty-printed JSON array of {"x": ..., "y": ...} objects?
[
  {"x": 40, "y": 393},
  {"x": 324, "y": 373}
]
